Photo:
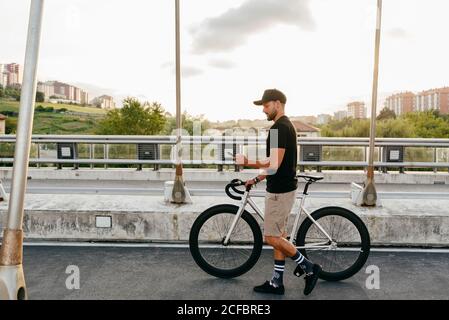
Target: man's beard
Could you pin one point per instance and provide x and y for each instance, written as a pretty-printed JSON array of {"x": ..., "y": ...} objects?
[{"x": 272, "y": 115}]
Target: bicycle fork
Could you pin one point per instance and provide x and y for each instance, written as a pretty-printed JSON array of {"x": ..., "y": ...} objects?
[{"x": 245, "y": 200}]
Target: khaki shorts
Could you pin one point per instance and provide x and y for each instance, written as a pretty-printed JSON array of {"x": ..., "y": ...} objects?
[{"x": 277, "y": 210}]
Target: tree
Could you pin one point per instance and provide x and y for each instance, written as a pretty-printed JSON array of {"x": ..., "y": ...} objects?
[
  {"x": 40, "y": 96},
  {"x": 188, "y": 122},
  {"x": 428, "y": 124},
  {"x": 39, "y": 108},
  {"x": 395, "y": 128},
  {"x": 2, "y": 92},
  {"x": 12, "y": 92},
  {"x": 133, "y": 119},
  {"x": 385, "y": 114},
  {"x": 11, "y": 125}
]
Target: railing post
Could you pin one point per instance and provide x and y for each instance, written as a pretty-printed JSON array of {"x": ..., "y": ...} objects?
[
  {"x": 75, "y": 150},
  {"x": 91, "y": 147},
  {"x": 158, "y": 156},
  {"x": 38, "y": 154},
  {"x": 235, "y": 150},
  {"x": 105, "y": 154},
  {"x": 435, "y": 170},
  {"x": 301, "y": 168},
  {"x": 383, "y": 157},
  {"x": 221, "y": 152}
]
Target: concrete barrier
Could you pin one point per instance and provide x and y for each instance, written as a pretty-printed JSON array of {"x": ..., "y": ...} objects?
[{"x": 411, "y": 222}]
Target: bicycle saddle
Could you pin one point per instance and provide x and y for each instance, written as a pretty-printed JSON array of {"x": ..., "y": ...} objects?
[{"x": 310, "y": 178}]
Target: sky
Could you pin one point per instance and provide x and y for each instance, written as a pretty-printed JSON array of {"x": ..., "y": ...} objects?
[{"x": 320, "y": 53}]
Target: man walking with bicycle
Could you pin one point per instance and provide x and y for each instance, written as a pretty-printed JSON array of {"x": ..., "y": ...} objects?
[{"x": 279, "y": 168}]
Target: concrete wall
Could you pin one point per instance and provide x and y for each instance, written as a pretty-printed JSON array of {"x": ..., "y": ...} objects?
[{"x": 145, "y": 218}]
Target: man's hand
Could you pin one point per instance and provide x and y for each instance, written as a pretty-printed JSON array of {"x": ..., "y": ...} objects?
[
  {"x": 240, "y": 159},
  {"x": 250, "y": 183}
]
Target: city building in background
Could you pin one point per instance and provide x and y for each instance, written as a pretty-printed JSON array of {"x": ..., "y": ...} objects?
[
  {"x": 55, "y": 91},
  {"x": 357, "y": 110},
  {"x": 305, "y": 130},
  {"x": 401, "y": 103},
  {"x": 340, "y": 115},
  {"x": 104, "y": 102},
  {"x": 433, "y": 99},
  {"x": 11, "y": 74},
  {"x": 305, "y": 119},
  {"x": 323, "y": 118}
]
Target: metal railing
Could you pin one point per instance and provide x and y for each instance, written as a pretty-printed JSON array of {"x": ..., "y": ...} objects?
[{"x": 312, "y": 152}]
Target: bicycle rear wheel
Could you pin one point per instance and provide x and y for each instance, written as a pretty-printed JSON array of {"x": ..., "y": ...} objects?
[
  {"x": 206, "y": 242},
  {"x": 351, "y": 242}
]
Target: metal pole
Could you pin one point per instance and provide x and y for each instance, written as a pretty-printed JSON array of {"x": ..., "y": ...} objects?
[
  {"x": 369, "y": 193},
  {"x": 179, "y": 190},
  {"x": 12, "y": 280},
  {"x": 178, "y": 79}
]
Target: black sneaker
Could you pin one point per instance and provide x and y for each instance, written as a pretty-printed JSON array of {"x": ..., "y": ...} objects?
[
  {"x": 311, "y": 279},
  {"x": 268, "y": 288},
  {"x": 298, "y": 271}
]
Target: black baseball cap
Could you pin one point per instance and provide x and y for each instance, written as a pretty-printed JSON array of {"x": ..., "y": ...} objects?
[{"x": 271, "y": 95}]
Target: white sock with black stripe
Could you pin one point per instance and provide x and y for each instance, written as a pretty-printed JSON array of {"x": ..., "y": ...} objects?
[{"x": 278, "y": 273}]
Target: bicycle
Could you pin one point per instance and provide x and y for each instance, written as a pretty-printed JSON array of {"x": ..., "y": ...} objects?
[{"x": 226, "y": 240}]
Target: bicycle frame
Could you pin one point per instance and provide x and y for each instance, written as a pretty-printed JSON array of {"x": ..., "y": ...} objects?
[{"x": 246, "y": 199}]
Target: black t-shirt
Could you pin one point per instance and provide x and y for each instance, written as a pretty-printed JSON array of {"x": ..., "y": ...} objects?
[{"x": 285, "y": 178}]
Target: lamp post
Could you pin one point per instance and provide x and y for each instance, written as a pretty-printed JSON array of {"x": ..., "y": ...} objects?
[
  {"x": 369, "y": 192},
  {"x": 179, "y": 192},
  {"x": 12, "y": 279}
]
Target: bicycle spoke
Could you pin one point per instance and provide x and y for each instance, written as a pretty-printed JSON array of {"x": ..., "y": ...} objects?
[
  {"x": 344, "y": 233},
  {"x": 234, "y": 254}
]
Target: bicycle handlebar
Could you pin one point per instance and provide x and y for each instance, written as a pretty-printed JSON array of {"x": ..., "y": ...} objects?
[
  {"x": 237, "y": 182},
  {"x": 232, "y": 185}
]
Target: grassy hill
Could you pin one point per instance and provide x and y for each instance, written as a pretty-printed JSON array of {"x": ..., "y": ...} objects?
[{"x": 76, "y": 120}]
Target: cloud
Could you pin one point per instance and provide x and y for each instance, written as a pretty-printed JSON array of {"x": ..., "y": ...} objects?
[
  {"x": 186, "y": 71},
  {"x": 397, "y": 33},
  {"x": 232, "y": 28},
  {"x": 221, "y": 64}
]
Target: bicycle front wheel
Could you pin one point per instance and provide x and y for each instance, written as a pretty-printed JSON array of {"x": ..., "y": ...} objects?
[
  {"x": 207, "y": 236},
  {"x": 350, "y": 246}
]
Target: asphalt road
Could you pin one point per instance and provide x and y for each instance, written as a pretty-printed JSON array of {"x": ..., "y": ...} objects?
[{"x": 162, "y": 273}]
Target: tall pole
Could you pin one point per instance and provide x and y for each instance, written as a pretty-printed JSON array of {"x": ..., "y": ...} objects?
[
  {"x": 179, "y": 192},
  {"x": 12, "y": 280},
  {"x": 369, "y": 192}
]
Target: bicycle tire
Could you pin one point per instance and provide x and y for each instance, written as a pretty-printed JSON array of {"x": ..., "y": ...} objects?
[
  {"x": 348, "y": 263},
  {"x": 247, "y": 248}
]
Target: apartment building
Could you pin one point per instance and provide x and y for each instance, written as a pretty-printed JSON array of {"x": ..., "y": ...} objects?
[
  {"x": 340, "y": 115},
  {"x": 401, "y": 103},
  {"x": 357, "y": 110},
  {"x": 104, "y": 102},
  {"x": 63, "y": 92},
  {"x": 11, "y": 74},
  {"x": 323, "y": 118},
  {"x": 433, "y": 99}
]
